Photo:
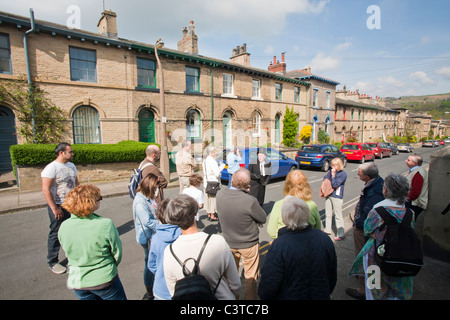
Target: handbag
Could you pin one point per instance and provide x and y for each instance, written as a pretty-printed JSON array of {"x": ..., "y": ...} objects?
[
  {"x": 211, "y": 186},
  {"x": 325, "y": 188}
]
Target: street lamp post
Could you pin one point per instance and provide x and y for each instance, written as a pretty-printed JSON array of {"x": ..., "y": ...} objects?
[{"x": 164, "y": 160}]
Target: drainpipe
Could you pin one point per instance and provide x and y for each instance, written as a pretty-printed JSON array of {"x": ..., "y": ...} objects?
[
  {"x": 30, "y": 90},
  {"x": 212, "y": 107}
]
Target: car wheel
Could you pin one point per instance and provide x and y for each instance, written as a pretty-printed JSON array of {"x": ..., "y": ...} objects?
[
  {"x": 325, "y": 166},
  {"x": 363, "y": 159},
  {"x": 292, "y": 168},
  {"x": 381, "y": 155},
  {"x": 345, "y": 162}
]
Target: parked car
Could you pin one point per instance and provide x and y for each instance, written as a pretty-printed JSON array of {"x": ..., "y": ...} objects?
[
  {"x": 319, "y": 156},
  {"x": 447, "y": 140},
  {"x": 358, "y": 152},
  {"x": 442, "y": 142},
  {"x": 394, "y": 148},
  {"x": 405, "y": 147},
  {"x": 281, "y": 164},
  {"x": 428, "y": 143},
  {"x": 381, "y": 149},
  {"x": 436, "y": 143}
]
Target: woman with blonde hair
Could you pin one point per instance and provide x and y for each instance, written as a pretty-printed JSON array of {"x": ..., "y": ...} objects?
[
  {"x": 296, "y": 185},
  {"x": 333, "y": 202},
  {"x": 92, "y": 246}
]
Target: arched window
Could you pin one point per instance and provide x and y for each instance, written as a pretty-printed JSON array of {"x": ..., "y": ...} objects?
[
  {"x": 315, "y": 122},
  {"x": 193, "y": 125},
  {"x": 256, "y": 123},
  {"x": 327, "y": 125},
  {"x": 86, "y": 125}
]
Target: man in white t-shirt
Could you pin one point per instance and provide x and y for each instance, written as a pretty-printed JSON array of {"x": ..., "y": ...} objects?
[{"x": 58, "y": 178}]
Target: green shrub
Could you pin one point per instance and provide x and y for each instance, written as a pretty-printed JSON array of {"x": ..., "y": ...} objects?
[{"x": 41, "y": 154}]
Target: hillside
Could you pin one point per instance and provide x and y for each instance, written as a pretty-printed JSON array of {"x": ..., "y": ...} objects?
[{"x": 435, "y": 105}]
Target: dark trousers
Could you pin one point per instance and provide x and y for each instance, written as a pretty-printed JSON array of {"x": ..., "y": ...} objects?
[
  {"x": 417, "y": 210},
  {"x": 53, "y": 242}
]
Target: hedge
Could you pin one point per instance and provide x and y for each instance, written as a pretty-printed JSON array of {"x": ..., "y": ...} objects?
[{"x": 41, "y": 154}]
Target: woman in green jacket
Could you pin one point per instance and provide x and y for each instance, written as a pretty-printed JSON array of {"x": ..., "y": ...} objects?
[
  {"x": 297, "y": 185},
  {"x": 92, "y": 246}
]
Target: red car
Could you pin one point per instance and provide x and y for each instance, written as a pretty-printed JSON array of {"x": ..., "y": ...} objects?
[
  {"x": 381, "y": 149},
  {"x": 358, "y": 151}
]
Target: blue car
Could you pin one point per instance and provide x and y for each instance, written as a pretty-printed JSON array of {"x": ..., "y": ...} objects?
[
  {"x": 281, "y": 164},
  {"x": 319, "y": 156}
]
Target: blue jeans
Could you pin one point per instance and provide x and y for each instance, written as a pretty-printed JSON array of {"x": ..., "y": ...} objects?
[
  {"x": 53, "y": 244},
  {"x": 114, "y": 292},
  {"x": 149, "y": 277}
]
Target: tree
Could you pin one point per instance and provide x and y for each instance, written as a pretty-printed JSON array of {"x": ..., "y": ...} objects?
[
  {"x": 323, "y": 137},
  {"x": 48, "y": 118},
  {"x": 305, "y": 134},
  {"x": 290, "y": 127}
]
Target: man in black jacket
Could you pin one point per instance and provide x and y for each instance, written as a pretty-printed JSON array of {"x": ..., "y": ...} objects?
[
  {"x": 240, "y": 215},
  {"x": 371, "y": 194},
  {"x": 260, "y": 176}
]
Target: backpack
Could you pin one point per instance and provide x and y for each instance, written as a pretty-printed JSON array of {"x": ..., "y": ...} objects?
[
  {"x": 400, "y": 253},
  {"x": 193, "y": 286},
  {"x": 135, "y": 179}
]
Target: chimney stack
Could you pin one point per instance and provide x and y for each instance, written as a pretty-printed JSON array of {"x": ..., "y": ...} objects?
[
  {"x": 241, "y": 56},
  {"x": 189, "y": 43},
  {"x": 276, "y": 66},
  {"x": 107, "y": 25}
]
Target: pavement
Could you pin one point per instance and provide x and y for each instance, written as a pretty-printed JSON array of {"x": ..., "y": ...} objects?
[
  {"x": 13, "y": 200},
  {"x": 432, "y": 282}
]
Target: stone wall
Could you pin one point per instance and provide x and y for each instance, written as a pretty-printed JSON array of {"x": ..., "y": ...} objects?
[
  {"x": 436, "y": 227},
  {"x": 29, "y": 177}
]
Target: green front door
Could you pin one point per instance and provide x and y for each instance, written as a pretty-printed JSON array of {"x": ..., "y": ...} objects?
[
  {"x": 277, "y": 129},
  {"x": 146, "y": 126}
]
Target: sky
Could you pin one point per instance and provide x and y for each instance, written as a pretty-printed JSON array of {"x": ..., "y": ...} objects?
[{"x": 382, "y": 48}]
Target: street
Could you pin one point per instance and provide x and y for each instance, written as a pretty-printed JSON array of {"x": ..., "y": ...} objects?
[{"x": 23, "y": 239}]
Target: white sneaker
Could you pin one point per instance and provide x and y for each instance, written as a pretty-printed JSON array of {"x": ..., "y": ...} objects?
[{"x": 58, "y": 269}]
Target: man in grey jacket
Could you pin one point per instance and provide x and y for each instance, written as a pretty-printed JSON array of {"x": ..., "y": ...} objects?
[{"x": 240, "y": 215}]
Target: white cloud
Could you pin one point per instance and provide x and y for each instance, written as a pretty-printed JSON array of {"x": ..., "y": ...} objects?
[
  {"x": 149, "y": 20},
  {"x": 444, "y": 71},
  {"x": 391, "y": 81},
  {"x": 321, "y": 63},
  {"x": 422, "y": 78}
]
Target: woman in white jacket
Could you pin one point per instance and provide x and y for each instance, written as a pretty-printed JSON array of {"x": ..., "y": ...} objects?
[{"x": 211, "y": 172}]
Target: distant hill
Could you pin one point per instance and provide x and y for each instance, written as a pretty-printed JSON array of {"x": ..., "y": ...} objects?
[{"x": 435, "y": 105}]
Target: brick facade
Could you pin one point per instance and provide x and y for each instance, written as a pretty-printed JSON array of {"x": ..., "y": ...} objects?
[{"x": 118, "y": 100}]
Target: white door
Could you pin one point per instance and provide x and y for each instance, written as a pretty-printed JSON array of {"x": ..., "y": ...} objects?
[{"x": 226, "y": 127}]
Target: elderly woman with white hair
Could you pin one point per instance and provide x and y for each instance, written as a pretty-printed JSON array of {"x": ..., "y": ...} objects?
[
  {"x": 211, "y": 173},
  {"x": 395, "y": 190},
  {"x": 301, "y": 263}
]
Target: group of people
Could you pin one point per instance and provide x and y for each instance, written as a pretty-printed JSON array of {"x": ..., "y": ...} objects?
[{"x": 301, "y": 261}]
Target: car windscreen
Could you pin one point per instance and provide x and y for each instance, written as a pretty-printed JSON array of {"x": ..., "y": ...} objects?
[
  {"x": 372, "y": 145},
  {"x": 350, "y": 147},
  {"x": 311, "y": 149}
]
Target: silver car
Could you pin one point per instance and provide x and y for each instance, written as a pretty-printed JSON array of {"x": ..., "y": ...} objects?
[{"x": 405, "y": 147}]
